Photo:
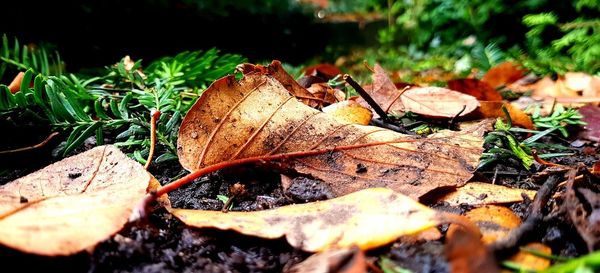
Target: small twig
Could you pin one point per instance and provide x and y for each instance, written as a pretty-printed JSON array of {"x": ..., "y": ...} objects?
[
  {"x": 366, "y": 97},
  {"x": 536, "y": 215},
  {"x": 154, "y": 116},
  {"x": 543, "y": 162},
  {"x": 452, "y": 120},
  {"x": 394, "y": 127},
  {"x": 41, "y": 144}
]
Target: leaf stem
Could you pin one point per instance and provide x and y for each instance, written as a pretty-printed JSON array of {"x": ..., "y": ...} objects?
[
  {"x": 154, "y": 116},
  {"x": 22, "y": 149}
]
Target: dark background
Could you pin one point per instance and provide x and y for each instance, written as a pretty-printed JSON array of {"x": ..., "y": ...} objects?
[{"x": 92, "y": 33}]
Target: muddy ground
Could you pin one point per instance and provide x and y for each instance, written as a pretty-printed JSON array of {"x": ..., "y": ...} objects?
[{"x": 164, "y": 244}]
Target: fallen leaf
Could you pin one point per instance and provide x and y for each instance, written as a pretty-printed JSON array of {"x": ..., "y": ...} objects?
[
  {"x": 591, "y": 115},
  {"x": 428, "y": 101},
  {"x": 256, "y": 118},
  {"x": 582, "y": 204},
  {"x": 367, "y": 219},
  {"x": 73, "y": 204},
  {"x": 275, "y": 69},
  {"x": 467, "y": 254},
  {"x": 503, "y": 74},
  {"x": 531, "y": 262},
  {"x": 327, "y": 94},
  {"x": 15, "y": 85},
  {"x": 476, "y": 88},
  {"x": 493, "y": 109},
  {"x": 478, "y": 193},
  {"x": 587, "y": 85},
  {"x": 349, "y": 111},
  {"x": 324, "y": 71},
  {"x": 495, "y": 222},
  {"x": 333, "y": 261}
]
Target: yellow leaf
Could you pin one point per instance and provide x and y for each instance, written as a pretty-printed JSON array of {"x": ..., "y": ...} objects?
[
  {"x": 73, "y": 204},
  {"x": 367, "y": 219}
]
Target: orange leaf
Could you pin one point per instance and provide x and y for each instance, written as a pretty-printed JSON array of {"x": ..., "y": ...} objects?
[
  {"x": 493, "y": 109},
  {"x": 532, "y": 262},
  {"x": 503, "y": 74},
  {"x": 336, "y": 260},
  {"x": 428, "y": 101},
  {"x": 477, "y": 193},
  {"x": 503, "y": 220},
  {"x": 73, "y": 204},
  {"x": 367, "y": 219},
  {"x": 256, "y": 119},
  {"x": 475, "y": 88},
  {"x": 325, "y": 71}
]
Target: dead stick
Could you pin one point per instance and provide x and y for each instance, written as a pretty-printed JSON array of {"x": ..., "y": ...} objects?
[
  {"x": 366, "y": 97},
  {"x": 44, "y": 142},
  {"x": 536, "y": 215},
  {"x": 154, "y": 116}
]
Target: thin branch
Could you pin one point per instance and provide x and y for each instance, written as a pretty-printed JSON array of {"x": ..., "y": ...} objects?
[
  {"x": 366, "y": 97},
  {"x": 41, "y": 144},
  {"x": 535, "y": 217}
]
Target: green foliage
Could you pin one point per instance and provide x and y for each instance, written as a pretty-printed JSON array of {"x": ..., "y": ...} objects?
[
  {"x": 119, "y": 103},
  {"x": 15, "y": 57},
  {"x": 502, "y": 143},
  {"x": 559, "y": 119}
]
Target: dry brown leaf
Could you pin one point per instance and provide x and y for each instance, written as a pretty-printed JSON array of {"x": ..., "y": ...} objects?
[
  {"x": 275, "y": 69},
  {"x": 493, "y": 109},
  {"x": 476, "y": 88},
  {"x": 495, "y": 222},
  {"x": 428, "y": 101},
  {"x": 349, "y": 111},
  {"x": 333, "y": 261},
  {"x": 256, "y": 117},
  {"x": 324, "y": 71},
  {"x": 73, "y": 204},
  {"x": 478, "y": 193},
  {"x": 532, "y": 262},
  {"x": 327, "y": 94},
  {"x": 467, "y": 254},
  {"x": 367, "y": 219},
  {"x": 503, "y": 74},
  {"x": 582, "y": 203}
]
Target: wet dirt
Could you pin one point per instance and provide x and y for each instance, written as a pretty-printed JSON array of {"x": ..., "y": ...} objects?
[{"x": 164, "y": 244}]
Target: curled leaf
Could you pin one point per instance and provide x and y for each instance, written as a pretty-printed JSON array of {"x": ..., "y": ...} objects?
[
  {"x": 495, "y": 222},
  {"x": 257, "y": 118},
  {"x": 73, "y": 204},
  {"x": 476, "y": 88},
  {"x": 367, "y": 219},
  {"x": 503, "y": 74}
]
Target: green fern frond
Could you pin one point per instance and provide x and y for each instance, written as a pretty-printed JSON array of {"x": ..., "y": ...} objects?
[{"x": 25, "y": 57}]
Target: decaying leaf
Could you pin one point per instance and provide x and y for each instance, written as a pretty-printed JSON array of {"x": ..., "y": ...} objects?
[
  {"x": 591, "y": 115},
  {"x": 477, "y": 193},
  {"x": 495, "y": 222},
  {"x": 256, "y": 117},
  {"x": 427, "y": 101},
  {"x": 275, "y": 70},
  {"x": 582, "y": 204},
  {"x": 503, "y": 74},
  {"x": 73, "y": 204},
  {"x": 530, "y": 261},
  {"x": 349, "y": 111},
  {"x": 324, "y": 71},
  {"x": 333, "y": 261},
  {"x": 476, "y": 88},
  {"x": 367, "y": 219},
  {"x": 327, "y": 94},
  {"x": 493, "y": 109},
  {"x": 466, "y": 253}
]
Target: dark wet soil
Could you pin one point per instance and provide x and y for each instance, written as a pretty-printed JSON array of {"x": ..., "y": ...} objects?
[{"x": 164, "y": 244}]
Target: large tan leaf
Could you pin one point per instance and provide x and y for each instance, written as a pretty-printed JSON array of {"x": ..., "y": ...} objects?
[
  {"x": 73, "y": 204},
  {"x": 256, "y": 117},
  {"x": 478, "y": 193},
  {"x": 428, "y": 101},
  {"x": 367, "y": 219}
]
